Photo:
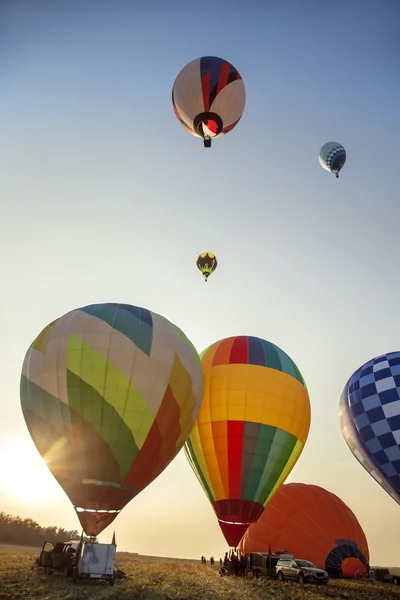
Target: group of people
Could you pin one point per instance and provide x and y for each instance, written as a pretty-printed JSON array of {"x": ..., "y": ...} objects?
[
  {"x": 233, "y": 563},
  {"x": 204, "y": 560}
]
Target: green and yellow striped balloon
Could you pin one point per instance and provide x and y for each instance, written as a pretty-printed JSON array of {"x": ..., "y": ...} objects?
[{"x": 109, "y": 392}]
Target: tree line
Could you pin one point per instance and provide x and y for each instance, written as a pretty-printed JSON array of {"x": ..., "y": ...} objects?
[{"x": 26, "y": 532}]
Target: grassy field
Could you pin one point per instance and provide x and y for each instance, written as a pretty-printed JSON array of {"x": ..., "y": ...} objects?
[{"x": 152, "y": 578}]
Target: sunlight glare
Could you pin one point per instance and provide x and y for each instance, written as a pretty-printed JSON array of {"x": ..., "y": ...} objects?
[{"x": 24, "y": 475}]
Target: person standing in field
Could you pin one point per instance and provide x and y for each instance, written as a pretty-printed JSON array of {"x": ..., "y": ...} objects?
[
  {"x": 235, "y": 563},
  {"x": 340, "y": 569}
]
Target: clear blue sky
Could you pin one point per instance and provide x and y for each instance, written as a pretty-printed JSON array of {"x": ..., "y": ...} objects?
[{"x": 105, "y": 197}]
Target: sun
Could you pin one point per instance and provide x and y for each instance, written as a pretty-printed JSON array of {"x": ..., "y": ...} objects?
[{"x": 24, "y": 475}]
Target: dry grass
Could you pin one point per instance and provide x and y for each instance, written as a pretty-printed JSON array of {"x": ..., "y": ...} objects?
[{"x": 166, "y": 579}]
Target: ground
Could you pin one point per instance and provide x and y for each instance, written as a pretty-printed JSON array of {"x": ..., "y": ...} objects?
[{"x": 152, "y": 578}]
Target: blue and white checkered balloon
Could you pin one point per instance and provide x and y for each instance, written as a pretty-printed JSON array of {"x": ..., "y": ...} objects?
[
  {"x": 369, "y": 413},
  {"x": 332, "y": 157}
]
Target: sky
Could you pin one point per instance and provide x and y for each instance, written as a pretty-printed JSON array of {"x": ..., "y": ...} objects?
[{"x": 105, "y": 197}]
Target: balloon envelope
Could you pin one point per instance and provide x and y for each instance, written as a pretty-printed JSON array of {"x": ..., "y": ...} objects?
[
  {"x": 369, "y": 412},
  {"x": 109, "y": 393},
  {"x": 208, "y": 97},
  {"x": 206, "y": 263},
  {"x": 251, "y": 428},
  {"x": 312, "y": 524},
  {"x": 332, "y": 157}
]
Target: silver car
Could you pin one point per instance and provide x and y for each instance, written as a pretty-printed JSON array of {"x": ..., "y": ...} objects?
[{"x": 301, "y": 570}]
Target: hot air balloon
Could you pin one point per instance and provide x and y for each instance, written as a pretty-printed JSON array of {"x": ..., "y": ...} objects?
[
  {"x": 109, "y": 393},
  {"x": 332, "y": 157},
  {"x": 208, "y": 97},
  {"x": 206, "y": 263},
  {"x": 369, "y": 412},
  {"x": 251, "y": 428},
  {"x": 311, "y": 523}
]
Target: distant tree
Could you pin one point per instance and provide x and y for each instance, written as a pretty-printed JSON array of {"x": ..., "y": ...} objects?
[{"x": 26, "y": 532}]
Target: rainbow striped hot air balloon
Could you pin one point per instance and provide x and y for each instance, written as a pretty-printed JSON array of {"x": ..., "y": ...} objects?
[
  {"x": 109, "y": 393},
  {"x": 251, "y": 428}
]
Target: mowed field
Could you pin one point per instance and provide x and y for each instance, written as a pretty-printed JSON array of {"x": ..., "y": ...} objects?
[{"x": 153, "y": 578}]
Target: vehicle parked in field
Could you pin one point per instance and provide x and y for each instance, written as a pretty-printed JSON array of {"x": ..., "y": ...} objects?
[
  {"x": 300, "y": 570},
  {"x": 384, "y": 575},
  {"x": 95, "y": 561},
  {"x": 261, "y": 564},
  {"x": 79, "y": 559},
  {"x": 59, "y": 558}
]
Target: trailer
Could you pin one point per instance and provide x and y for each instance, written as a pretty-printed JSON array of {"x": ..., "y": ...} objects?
[
  {"x": 95, "y": 561},
  {"x": 383, "y": 575},
  {"x": 261, "y": 563}
]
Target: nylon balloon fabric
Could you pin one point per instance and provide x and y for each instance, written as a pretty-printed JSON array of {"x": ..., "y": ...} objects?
[
  {"x": 314, "y": 524},
  {"x": 369, "y": 413},
  {"x": 251, "y": 428},
  {"x": 206, "y": 263},
  {"x": 109, "y": 393},
  {"x": 208, "y": 97},
  {"x": 332, "y": 157}
]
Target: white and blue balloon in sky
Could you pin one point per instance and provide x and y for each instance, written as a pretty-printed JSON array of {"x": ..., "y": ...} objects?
[
  {"x": 332, "y": 157},
  {"x": 369, "y": 412}
]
